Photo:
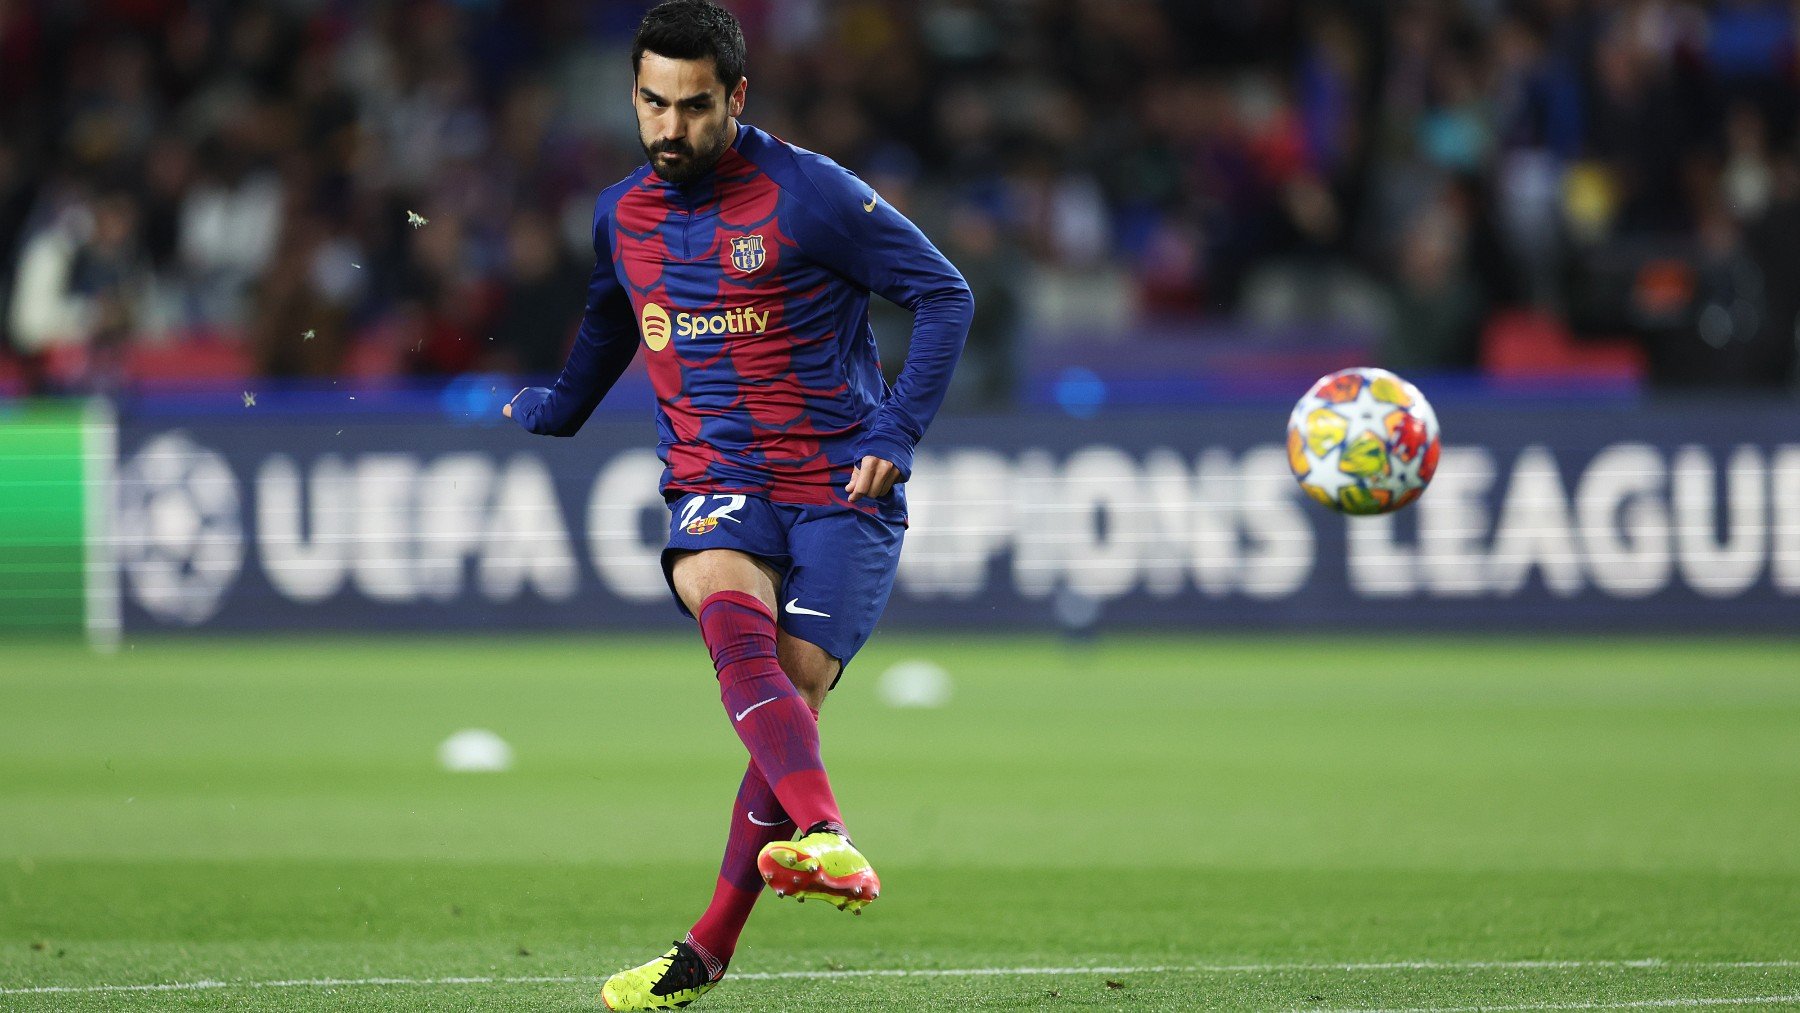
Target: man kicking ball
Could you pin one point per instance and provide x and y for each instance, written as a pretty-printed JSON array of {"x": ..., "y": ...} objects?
[{"x": 744, "y": 266}]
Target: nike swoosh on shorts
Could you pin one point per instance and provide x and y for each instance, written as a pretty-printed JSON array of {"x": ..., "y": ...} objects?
[{"x": 793, "y": 607}]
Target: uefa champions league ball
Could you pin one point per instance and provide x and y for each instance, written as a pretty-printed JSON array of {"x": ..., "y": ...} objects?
[{"x": 1363, "y": 441}]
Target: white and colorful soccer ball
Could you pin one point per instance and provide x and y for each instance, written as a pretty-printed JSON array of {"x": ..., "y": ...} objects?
[{"x": 1363, "y": 441}]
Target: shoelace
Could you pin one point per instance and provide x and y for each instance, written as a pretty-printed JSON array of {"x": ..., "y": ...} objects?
[{"x": 686, "y": 971}]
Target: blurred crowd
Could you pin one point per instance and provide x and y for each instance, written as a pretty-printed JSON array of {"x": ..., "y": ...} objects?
[{"x": 330, "y": 188}]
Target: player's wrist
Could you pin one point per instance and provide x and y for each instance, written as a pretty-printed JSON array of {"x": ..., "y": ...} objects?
[
  {"x": 527, "y": 407},
  {"x": 896, "y": 452}
]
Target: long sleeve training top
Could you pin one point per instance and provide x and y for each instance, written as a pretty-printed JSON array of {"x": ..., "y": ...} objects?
[{"x": 749, "y": 291}]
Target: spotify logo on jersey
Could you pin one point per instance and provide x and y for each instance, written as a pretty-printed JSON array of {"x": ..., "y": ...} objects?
[
  {"x": 659, "y": 327},
  {"x": 655, "y": 325}
]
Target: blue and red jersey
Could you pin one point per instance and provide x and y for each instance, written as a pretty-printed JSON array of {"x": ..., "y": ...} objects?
[{"x": 749, "y": 291}]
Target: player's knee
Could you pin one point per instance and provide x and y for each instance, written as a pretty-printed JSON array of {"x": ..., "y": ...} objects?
[
  {"x": 812, "y": 691},
  {"x": 809, "y": 667},
  {"x": 697, "y": 576}
]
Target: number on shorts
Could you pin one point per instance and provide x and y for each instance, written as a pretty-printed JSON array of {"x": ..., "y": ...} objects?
[{"x": 690, "y": 510}]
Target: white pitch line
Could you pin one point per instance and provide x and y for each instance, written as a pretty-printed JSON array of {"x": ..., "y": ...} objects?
[
  {"x": 207, "y": 985},
  {"x": 1748, "y": 1000},
  {"x": 1398, "y": 965},
  {"x": 958, "y": 972},
  {"x": 1001, "y": 972},
  {"x": 1504, "y": 965}
]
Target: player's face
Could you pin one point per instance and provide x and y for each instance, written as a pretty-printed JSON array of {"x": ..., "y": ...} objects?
[{"x": 686, "y": 117}]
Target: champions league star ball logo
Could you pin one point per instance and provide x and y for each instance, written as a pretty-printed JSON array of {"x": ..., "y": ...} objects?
[
  {"x": 747, "y": 253},
  {"x": 179, "y": 529}
]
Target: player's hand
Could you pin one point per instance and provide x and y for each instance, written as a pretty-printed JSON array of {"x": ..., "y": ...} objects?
[{"x": 873, "y": 477}]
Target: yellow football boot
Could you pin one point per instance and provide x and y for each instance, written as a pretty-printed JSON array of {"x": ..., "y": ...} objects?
[
  {"x": 824, "y": 865},
  {"x": 671, "y": 981}
]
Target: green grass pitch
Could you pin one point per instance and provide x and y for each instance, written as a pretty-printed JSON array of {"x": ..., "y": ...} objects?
[{"x": 1137, "y": 824}]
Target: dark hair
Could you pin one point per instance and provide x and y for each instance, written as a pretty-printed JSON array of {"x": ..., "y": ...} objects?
[{"x": 693, "y": 30}]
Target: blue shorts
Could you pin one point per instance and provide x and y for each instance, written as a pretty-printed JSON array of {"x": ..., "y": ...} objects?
[{"x": 835, "y": 565}]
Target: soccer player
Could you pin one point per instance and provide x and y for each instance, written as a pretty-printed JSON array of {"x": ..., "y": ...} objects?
[{"x": 744, "y": 265}]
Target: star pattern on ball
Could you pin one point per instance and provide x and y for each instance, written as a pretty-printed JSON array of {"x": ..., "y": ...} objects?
[
  {"x": 1355, "y": 434},
  {"x": 1401, "y": 475},
  {"x": 1326, "y": 474}
]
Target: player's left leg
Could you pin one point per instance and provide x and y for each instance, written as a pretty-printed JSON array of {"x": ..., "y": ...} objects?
[
  {"x": 756, "y": 820},
  {"x": 813, "y": 670}
]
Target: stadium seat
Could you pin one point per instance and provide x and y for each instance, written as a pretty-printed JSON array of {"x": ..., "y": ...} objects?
[{"x": 1521, "y": 345}]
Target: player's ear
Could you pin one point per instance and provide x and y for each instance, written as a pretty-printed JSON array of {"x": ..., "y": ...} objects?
[{"x": 735, "y": 103}]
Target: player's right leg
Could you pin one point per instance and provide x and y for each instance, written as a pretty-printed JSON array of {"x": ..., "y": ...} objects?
[
  {"x": 732, "y": 594},
  {"x": 701, "y": 529},
  {"x": 823, "y": 864},
  {"x": 841, "y": 568},
  {"x": 764, "y": 699},
  {"x": 721, "y": 563}
]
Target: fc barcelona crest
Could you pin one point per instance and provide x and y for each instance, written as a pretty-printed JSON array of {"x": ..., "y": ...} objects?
[{"x": 747, "y": 253}]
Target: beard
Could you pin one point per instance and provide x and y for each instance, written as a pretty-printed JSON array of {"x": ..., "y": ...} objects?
[{"x": 698, "y": 156}]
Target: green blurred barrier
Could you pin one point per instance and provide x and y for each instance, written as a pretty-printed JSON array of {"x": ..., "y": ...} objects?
[{"x": 46, "y": 450}]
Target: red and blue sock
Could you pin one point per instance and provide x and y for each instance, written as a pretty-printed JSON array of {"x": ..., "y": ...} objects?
[
  {"x": 756, "y": 819},
  {"x": 771, "y": 717}
]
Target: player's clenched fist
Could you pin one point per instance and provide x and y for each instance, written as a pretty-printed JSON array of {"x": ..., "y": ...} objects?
[
  {"x": 872, "y": 477},
  {"x": 520, "y": 405}
]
